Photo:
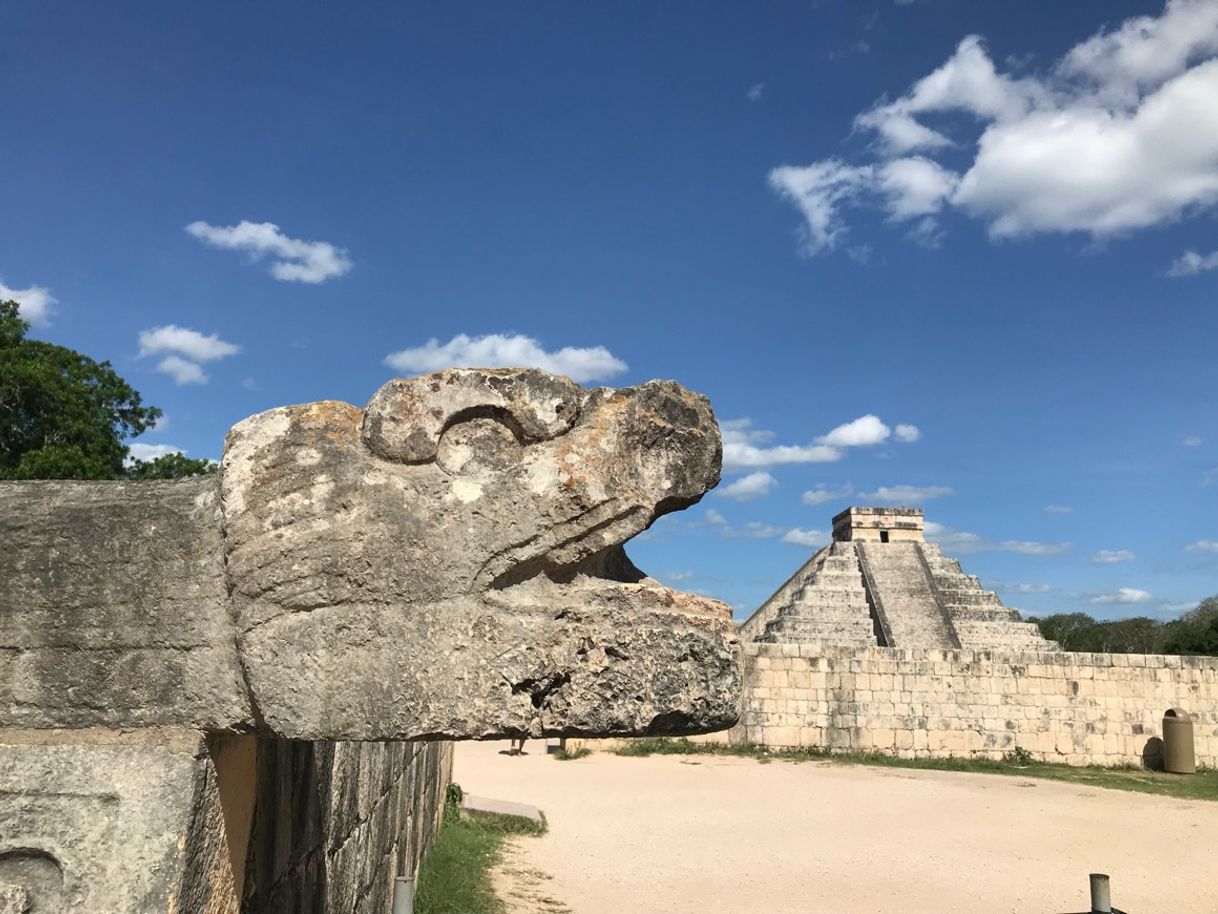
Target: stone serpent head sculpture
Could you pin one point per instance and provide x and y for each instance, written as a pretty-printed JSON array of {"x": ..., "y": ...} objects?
[{"x": 445, "y": 563}]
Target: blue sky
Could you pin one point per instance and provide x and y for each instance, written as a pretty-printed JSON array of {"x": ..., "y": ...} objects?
[{"x": 989, "y": 227}]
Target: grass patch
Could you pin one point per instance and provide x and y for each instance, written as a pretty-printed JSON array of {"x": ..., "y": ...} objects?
[
  {"x": 1201, "y": 786},
  {"x": 455, "y": 877},
  {"x": 570, "y": 755}
]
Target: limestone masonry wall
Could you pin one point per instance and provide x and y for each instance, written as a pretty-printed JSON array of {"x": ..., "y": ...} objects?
[
  {"x": 1081, "y": 709},
  {"x": 335, "y": 822}
]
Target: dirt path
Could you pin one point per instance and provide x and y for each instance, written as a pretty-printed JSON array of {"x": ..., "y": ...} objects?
[
  {"x": 524, "y": 888},
  {"x": 694, "y": 835}
]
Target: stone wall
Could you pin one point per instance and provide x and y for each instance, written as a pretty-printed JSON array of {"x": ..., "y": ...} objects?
[
  {"x": 1081, "y": 709},
  {"x": 172, "y": 820},
  {"x": 335, "y": 822}
]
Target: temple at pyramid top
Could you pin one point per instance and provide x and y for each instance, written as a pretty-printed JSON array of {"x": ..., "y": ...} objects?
[
  {"x": 883, "y": 525},
  {"x": 879, "y": 583}
]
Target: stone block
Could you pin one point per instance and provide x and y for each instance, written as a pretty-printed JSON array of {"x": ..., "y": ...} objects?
[{"x": 99, "y": 821}]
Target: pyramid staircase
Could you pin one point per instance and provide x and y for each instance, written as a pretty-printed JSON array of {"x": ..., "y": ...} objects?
[
  {"x": 831, "y": 605},
  {"x": 911, "y": 608},
  {"x": 978, "y": 616}
]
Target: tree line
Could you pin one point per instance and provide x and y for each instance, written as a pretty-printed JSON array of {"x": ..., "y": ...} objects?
[
  {"x": 65, "y": 416},
  {"x": 1195, "y": 632}
]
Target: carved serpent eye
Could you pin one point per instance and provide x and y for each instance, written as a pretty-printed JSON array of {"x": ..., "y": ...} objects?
[
  {"x": 406, "y": 418},
  {"x": 31, "y": 882},
  {"x": 480, "y": 444}
]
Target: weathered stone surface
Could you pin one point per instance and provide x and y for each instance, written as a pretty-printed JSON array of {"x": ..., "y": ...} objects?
[
  {"x": 483, "y": 591},
  {"x": 96, "y": 821},
  {"x": 114, "y": 609},
  {"x": 102, "y": 822},
  {"x": 335, "y": 822},
  {"x": 446, "y": 563}
]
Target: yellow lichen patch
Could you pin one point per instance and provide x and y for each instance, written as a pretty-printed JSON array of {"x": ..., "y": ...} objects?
[{"x": 337, "y": 420}]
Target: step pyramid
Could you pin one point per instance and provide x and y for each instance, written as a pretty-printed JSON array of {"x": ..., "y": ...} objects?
[{"x": 878, "y": 582}]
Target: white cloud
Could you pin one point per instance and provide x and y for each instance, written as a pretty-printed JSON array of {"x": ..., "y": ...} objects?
[
  {"x": 1123, "y": 595},
  {"x": 822, "y": 494},
  {"x": 1112, "y": 556},
  {"x": 756, "y": 91},
  {"x": 798, "y": 537},
  {"x": 963, "y": 542},
  {"x": 1022, "y": 588},
  {"x": 745, "y": 446},
  {"x": 1190, "y": 263},
  {"x": 1059, "y": 509},
  {"x": 817, "y": 190},
  {"x": 1023, "y": 547},
  {"x": 858, "y": 47},
  {"x": 908, "y": 495},
  {"x": 967, "y": 82},
  {"x": 1120, "y": 135},
  {"x": 1175, "y": 609},
  {"x": 1100, "y": 171},
  {"x": 1203, "y": 546},
  {"x": 189, "y": 343},
  {"x": 955, "y": 540},
  {"x": 1192, "y": 441},
  {"x": 141, "y": 451},
  {"x": 915, "y": 187},
  {"x": 182, "y": 370},
  {"x": 753, "y": 530},
  {"x": 35, "y": 304},
  {"x": 862, "y": 432},
  {"x": 746, "y": 488},
  {"x": 184, "y": 349},
  {"x": 1146, "y": 51},
  {"x": 498, "y": 350},
  {"x": 294, "y": 260},
  {"x": 908, "y": 433},
  {"x": 723, "y": 527}
]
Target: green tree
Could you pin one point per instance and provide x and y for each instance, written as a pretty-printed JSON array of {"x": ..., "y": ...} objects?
[
  {"x": 1137, "y": 635},
  {"x": 1196, "y": 632},
  {"x": 1073, "y": 631},
  {"x": 170, "y": 466},
  {"x": 65, "y": 416}
]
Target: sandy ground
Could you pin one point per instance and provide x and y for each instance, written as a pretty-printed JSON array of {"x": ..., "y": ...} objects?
[{"x": 705, "y": 834}]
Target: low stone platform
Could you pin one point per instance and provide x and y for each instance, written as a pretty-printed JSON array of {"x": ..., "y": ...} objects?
[{"x": 486, "y": 806}]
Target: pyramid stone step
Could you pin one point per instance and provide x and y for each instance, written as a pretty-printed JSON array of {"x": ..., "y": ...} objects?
[
  {"x": 997, "y": 613},
  {"x": 845, "y": 617},
  {"x": 969, "y": 598},
  {"x": 803, "y": 632},
  {"x": 817, "y": 597},
  {"x": 1000, "y": 635}
]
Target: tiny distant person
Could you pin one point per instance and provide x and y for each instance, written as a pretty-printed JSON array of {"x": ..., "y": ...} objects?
[{"x": 517, "y": 750}]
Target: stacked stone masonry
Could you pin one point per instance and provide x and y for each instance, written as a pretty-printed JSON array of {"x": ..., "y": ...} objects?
[
  {"x": 831, "y": 605},
  {"x": 1076, "y": 708},
  {"x": 337, "y": 821}
]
